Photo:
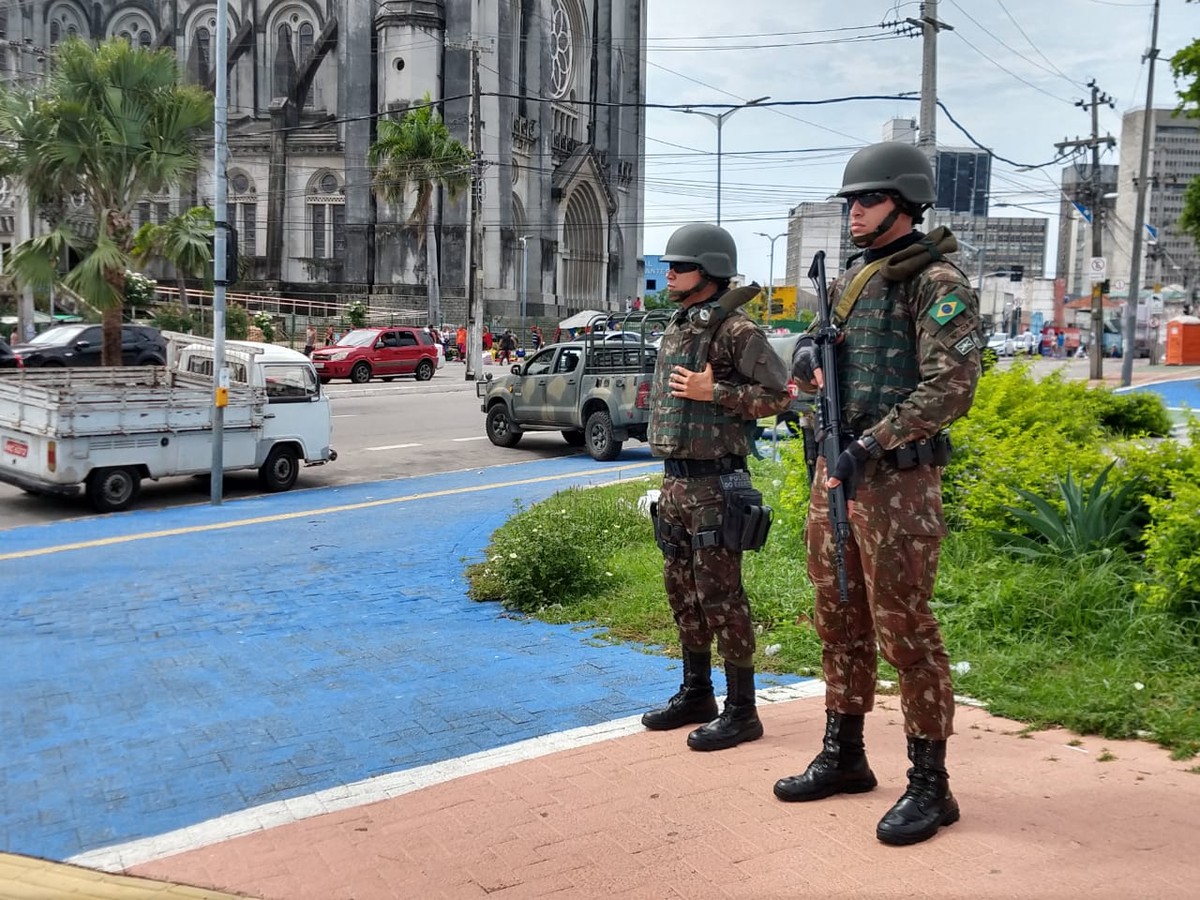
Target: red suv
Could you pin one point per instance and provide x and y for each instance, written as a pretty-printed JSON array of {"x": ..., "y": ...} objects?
[{"x": 378, "y": 352}]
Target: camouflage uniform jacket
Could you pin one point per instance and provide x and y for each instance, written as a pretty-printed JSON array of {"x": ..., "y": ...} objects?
[
  {"x": 750, "y": 381},
  {"x": 909, "y": 358}
]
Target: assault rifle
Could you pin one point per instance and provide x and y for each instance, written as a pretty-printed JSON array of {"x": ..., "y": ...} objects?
[{"x": 829, "y": 418}]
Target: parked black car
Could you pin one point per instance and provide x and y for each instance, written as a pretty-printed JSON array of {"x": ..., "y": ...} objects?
[
  {"x": 8, "y": 359},
  {"x": 80, "y": 345}
]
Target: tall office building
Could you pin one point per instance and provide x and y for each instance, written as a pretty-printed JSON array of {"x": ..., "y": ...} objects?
[
  {"x": 1169, "y": 254},
  {"x": 963, "y": 180},
  {"x": 1006, "y": 243},
  {"x": 814, "y": 226}
]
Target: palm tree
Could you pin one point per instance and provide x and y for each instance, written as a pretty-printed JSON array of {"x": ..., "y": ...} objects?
[
  {"x": 184, "y": 241},
  {"x": 418, "y": 153},
  {"x": 109, "y": 126}
]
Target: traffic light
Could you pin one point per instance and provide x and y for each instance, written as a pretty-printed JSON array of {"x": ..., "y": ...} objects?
[
  {"x": 1104, "y": 286},
  {"x": 1016, "y": 273}
]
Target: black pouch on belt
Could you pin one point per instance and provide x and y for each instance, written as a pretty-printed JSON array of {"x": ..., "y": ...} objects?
[{"x": 746, "y": 522}]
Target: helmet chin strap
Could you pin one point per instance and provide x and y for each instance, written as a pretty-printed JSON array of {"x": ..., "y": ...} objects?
[
  {"x": 866, "y": 240},
  {"x": 684, "y": 296}
]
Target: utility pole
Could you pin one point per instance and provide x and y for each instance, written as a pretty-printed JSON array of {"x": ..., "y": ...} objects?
[
  {"x": 1139, "y": 215},
  {"x": 771, "y": 264},
  {"x": 474, "y": 346},
  {"x": 220, "y": 238},
  {"x": 1096, "y": 202},
  {"x": 930, "y": 26}
]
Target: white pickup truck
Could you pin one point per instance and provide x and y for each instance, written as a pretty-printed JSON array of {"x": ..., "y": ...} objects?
[{"x": 107, "y": 429}]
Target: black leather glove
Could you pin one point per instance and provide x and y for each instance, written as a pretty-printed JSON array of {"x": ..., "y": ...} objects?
[
  {"x": 850, "y": 466},
  {"x": 805, "y": 359}
]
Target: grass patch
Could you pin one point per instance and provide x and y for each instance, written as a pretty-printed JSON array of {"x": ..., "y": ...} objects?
[{"x": 1103, "y": 640}]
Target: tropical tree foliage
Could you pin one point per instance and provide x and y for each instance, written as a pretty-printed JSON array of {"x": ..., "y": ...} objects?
[
  {"x": 109, "y": 126},
  {"x": 184, "y": 241},
  {"x": 417, "y": 154},
  {"x": 1185, "y": 66}
]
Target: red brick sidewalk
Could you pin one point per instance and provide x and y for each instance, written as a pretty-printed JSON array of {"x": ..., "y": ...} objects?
[{"x": 1044, "y": 816}]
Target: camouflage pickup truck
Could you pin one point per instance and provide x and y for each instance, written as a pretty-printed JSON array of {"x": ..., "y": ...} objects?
[{"x": 596, "y": 391}]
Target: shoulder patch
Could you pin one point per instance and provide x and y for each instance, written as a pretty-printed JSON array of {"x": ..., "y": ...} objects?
[
  {"x": 946, "y": 309},
  {"x": 968, "y": 345}
]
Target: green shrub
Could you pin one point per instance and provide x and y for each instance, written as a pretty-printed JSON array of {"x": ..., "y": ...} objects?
[
  {"x": 1132, "y": 414},
  {"x": 557, "y": 551},
  {"x": 237, "y": 322},
  {"x": 171, "y": 317},
  {"x": 1173, "y": 552},
  {"x": 263, "y": 321},
  {"x": 1020, "y": 433}
]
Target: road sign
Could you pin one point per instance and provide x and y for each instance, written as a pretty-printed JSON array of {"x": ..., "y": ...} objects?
[
  {"x": 1097, "y": 267},
  {"x": 1155, "y": 321},
  {"x": 1156, "y": 304},
  {"x": 1120, "y": 284}
]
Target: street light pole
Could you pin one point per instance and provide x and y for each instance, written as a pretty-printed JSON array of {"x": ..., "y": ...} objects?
[
  {"x": 771, "y": 281},
  {"x": 524, "y": 239},
  {"x": 719, "y": 120}
]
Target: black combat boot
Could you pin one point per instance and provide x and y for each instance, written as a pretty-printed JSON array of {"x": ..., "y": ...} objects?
[
  {"x": 927, "y": 804},
  {"x": 739, "y": 722},
  {"x": 840, "y": 768},
  {"x": 694, "y": 702}
]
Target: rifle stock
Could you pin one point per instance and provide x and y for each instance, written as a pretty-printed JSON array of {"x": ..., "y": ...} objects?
[{"x": 829, "y": 418}]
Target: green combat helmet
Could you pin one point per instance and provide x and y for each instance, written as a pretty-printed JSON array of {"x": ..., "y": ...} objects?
[
  {"x": 710, "y": 247},
  {"x": 891, "y": 166}
]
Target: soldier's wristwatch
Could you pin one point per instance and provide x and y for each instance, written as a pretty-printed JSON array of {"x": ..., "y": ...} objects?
[{"x": 872, "y": 446}]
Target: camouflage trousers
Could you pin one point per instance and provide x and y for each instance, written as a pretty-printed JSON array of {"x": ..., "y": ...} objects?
[
  {"x": 896, "y": 530},
  {"x": 704, "y": 585}
]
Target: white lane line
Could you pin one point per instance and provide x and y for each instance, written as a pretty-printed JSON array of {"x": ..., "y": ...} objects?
[
  {"x": 393, "y": 447},
  {"x": 120, "y": 857},
  {"x": 346, "y": 416},
  {"x": 482, "y": 437}
]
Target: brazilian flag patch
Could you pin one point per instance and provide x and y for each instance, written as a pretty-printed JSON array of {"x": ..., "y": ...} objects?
[{"x": 945, "y": 310}]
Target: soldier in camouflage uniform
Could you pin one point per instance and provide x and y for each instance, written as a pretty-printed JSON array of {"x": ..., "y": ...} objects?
[
  {"x": 908, "y": 362},
  {"x": 716, "y": 374}
]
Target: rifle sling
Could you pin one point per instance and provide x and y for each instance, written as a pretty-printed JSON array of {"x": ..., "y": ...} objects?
[{"x": 854, "y": 290}]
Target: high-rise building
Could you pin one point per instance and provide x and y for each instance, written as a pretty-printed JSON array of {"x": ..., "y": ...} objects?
[
  {"x": 813, "y": 226},
  {"x": 963, "y": 179},
  {"x": 1169, "y": 254},
  {"x": 1006, "y": 244}
]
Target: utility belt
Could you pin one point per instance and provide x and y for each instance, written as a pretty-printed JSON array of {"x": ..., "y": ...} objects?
[
  {"x": 934, "y": 451},
  {"x": 745, "y": 520},
  {"x": 703, "y": 468}
]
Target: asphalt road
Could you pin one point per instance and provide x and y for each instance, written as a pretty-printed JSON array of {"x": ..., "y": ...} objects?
[{"x": 381, "y": 431}]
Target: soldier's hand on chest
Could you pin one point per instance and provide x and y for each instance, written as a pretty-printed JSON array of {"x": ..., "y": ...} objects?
[{"x": 692, "y": 385}]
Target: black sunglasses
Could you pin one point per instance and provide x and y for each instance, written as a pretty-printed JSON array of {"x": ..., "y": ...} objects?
[
  {"x": 872, "y": 198},
  {"x": 683, "y": 267}
]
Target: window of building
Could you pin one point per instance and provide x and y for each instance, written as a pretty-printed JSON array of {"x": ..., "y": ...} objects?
[
  {"x": 326, "y": 205},
  {"x": 204, "y": 52},
  {"x": 299, "y": 35},
  {"x": 243, "y": 210}
]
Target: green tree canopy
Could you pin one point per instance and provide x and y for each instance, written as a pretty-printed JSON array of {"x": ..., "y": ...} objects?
[
  {"x": 110, "y": 125},
  {"x": 418, "y": 154}
]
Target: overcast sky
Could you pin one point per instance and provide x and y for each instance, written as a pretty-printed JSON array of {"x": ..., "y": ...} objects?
[{"x": 1010, "y": 72}]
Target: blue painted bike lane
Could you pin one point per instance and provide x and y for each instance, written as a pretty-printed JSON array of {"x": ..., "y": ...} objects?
[{"x": 183, "y": 664}]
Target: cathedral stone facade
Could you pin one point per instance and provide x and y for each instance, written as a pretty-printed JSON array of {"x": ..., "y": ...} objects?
[{"x": 561, "y": 88}]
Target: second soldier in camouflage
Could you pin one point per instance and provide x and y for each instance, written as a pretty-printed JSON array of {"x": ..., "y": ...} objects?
[{"x": 908, "y": 361}]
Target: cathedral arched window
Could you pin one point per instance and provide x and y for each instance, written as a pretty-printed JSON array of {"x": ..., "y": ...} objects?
[
  {"x": 295, "y": 30},
  {"x": 66, "y": 20},
  {"x": 325, "y": 204},
  {"x": 204, "y": 52},
  {"x": 562, "y": 49},
  {"x": 243, "y": 208},
  {"x": 135, "y": 27}
]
